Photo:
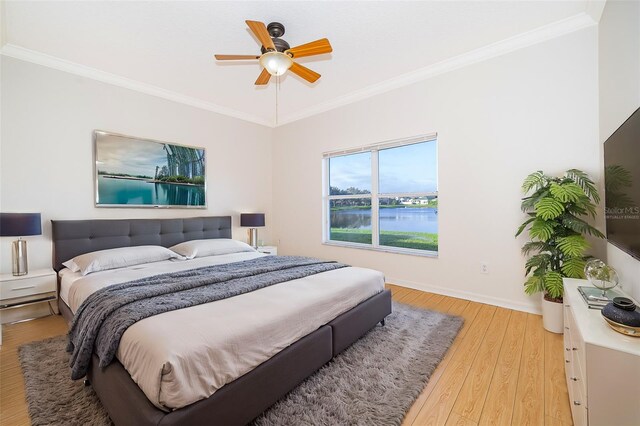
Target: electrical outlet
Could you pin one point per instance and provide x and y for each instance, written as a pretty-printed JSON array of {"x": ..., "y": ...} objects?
[{"x": 484, "y": 268}]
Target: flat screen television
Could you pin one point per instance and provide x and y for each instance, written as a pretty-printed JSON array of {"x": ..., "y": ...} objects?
[{"x": 622, "y": 186}]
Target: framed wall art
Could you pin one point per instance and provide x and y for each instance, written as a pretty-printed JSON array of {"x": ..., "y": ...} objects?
[{"x": 135, "y": 172}]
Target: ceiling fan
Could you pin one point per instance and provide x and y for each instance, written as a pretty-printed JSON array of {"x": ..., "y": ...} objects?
[{"x": 277, "y": 56}]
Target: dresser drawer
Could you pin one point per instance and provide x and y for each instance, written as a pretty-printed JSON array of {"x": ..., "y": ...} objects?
[
  {"x": 576, "y": 344},
  {"x": 567, "y": 312},
  {"x": 578, "y": 406},
  {"x": 27, "y": 286},
  {"x": 577, "y": 379},
  {"x": 566, "y": 335},
  {"x": 566, "y": 351},
  {"x": 569, "y": 375}
]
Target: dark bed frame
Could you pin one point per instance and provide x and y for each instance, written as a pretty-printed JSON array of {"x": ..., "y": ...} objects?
[{"x": 240, "y": 401}]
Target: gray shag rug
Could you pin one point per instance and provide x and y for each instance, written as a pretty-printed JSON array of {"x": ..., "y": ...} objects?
[{"x": 373, "y": 382}]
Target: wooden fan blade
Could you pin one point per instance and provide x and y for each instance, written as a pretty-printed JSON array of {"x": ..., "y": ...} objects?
[
  {"x": 317, "y": 47},
  {"x": 263, "y": 78},
  {"x": 235, "y": 57},
  {"x": 304, "y": 72},
  {"x": 260, "y": 30}
]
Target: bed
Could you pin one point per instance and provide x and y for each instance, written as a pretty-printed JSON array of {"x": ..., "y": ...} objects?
[{"x": 236, "y": 401}]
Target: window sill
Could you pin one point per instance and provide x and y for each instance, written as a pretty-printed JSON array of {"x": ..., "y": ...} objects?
[{"x": 386, "y": 249}]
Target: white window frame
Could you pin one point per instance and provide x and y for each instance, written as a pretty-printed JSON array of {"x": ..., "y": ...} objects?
[{"x": 374, "y": 195}]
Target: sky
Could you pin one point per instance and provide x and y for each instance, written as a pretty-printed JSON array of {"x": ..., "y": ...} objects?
[
  {"x": 410, "y": 168},
  {"x": 117, "y": 154}
]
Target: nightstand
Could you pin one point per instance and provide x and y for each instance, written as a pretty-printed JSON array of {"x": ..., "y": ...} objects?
[
  {"x": 272, "y": 250},
  {"x": 37, "y": 286}
]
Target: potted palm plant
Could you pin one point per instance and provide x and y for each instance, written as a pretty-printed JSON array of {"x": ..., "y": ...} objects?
[{"x": 556, "y": 207}]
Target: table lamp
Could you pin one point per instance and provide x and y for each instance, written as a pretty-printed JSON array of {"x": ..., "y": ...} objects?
[
  {"x": 252, "y": 220},
  {"x": 20, "y": 225}
]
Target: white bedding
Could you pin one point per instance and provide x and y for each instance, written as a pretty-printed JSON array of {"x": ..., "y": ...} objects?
[{"x": 183, "y": 356}]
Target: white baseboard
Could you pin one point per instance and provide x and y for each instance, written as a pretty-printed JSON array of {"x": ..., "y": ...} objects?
[{"x": 474, "y": 297}]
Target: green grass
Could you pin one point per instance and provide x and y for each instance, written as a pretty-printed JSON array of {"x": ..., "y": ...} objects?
[
  {"x": 362, "y": 236},
  {"x": 412, "y": 240}
]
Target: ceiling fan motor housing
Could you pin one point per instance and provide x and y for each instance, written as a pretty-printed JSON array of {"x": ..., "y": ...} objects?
[{"x": 276, "y": 30}]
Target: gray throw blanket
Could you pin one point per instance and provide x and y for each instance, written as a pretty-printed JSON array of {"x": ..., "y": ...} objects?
[{"x": 105, "y": 315}]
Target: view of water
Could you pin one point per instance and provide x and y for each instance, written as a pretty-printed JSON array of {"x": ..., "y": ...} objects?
[
  {"x": 140, "y": 192},
  {"x": 391, "y": 219}
]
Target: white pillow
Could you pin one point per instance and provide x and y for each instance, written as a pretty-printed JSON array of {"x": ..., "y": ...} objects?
[
  {"x": 103, "y": 260},
  {"x": 70, "y": 264},
  {"x": 214, "y": 247}
]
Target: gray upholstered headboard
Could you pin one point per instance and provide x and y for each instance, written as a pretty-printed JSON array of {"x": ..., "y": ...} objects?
[{"x": 75, "y": 237}]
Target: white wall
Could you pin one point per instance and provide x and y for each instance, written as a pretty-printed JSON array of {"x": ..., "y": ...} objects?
[
  {"x": 619, "y": 76},
  {"x": 46, "y": 151},
  {"x": 497, "y": 121}
]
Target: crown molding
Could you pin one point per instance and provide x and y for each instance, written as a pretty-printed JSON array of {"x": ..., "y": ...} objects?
[
  {"x": 538, "y": 35},
  {"x": 529, "y": 38},
  {"x": 17, "y": 52},
  {"x": 3, "y": 25},
  {"x": 595, "y": 9}
]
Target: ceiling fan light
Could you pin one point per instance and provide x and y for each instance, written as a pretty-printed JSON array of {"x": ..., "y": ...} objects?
[{"x": 276, "y": 63}]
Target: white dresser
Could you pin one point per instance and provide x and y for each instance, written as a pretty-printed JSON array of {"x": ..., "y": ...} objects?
[{"x": 602, "y": 366}]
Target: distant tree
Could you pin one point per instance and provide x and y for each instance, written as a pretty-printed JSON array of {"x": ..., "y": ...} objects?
[{"x": 349, "y": 191}]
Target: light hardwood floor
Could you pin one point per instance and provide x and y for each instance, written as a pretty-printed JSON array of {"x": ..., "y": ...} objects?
[{"x": 503, "y": 368}]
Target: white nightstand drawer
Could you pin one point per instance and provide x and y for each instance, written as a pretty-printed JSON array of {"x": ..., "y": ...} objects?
[
  {"x": 272, "y": 250},
  {"x": 27, "y": 285}
]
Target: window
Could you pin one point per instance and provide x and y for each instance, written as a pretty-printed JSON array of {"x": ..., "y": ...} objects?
[{"x": 383, "y": 196}]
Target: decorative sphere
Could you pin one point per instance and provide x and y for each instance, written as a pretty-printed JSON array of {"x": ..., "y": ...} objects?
[{"x": 601, "y": 275}]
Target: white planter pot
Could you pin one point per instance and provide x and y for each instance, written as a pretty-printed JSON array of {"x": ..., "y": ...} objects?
[{"x": 552, "y": 316}]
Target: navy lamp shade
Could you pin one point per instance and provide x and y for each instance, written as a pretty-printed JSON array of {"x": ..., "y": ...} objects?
[
  {"x": 20, "y": 225},
  {"x": 252, "y": 221}
]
